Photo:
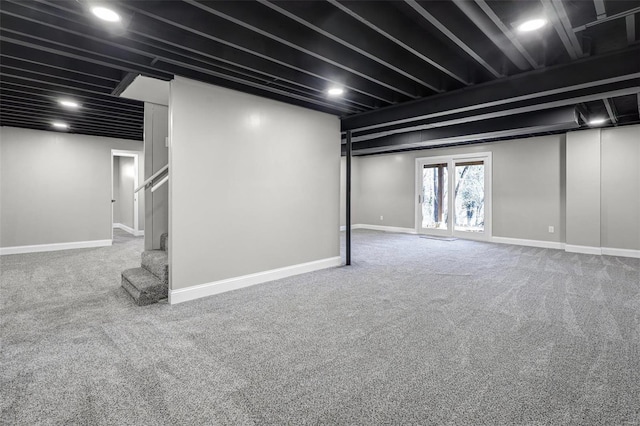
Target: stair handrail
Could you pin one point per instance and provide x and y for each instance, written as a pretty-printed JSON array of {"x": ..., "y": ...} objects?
[
  {"x": 152, "y": 177},
  {"x": 160, "y": 183}
]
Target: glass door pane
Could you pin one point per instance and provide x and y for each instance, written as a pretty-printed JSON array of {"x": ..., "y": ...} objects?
[
  {"x": 435, "y": 204},
  {"x": 469, "y": 196}
]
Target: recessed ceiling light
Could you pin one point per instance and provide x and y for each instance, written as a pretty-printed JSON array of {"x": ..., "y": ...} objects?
[
  {"x": 69, "y": 104},
  {"x": 335, "y": 91},
  {"x": 60, "y": 125},
  {"x": 532, "y": 25},
  {"x": 597, "y": 121},
  {"x": 105, "y": 14}
]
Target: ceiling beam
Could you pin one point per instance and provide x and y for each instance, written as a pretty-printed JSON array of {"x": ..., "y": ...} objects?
[
  {"x": 500, "y": 127},
  {"x": 127, "y": 79},
  {"x": 341, "y": 33},
  {"x": 495, "y": 30},
  {"x": 630, "y": 22},
  {"x": 488, "y": 113},
  {"x": 389, "y": 24},
  {"x": 332, "y": 54},
  {"x": 601, "y": 12},
  {"x": 586, "y": 73},
  {"x": 610, "y": 111},
  {"x": 449, "y": 34}
]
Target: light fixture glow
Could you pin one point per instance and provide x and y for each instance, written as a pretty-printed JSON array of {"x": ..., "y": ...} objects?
[
  {"x": 69, "y": 104},
  {"x": 532, "y": 25},
  {"x": 335, "y": 91},
  {"x": 105, "y": 14},
  {"x": 60, "y": 125},
  {"x": 597, "y": 121}
]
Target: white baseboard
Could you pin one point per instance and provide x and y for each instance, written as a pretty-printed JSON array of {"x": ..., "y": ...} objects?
[
  {"x": 53, "y": 247},
  {"x": 222, "y": 286},
  {"x": 384, "y": 228},
  {"x": 608, "y": 251},
  {"x": 528, "y": 243},
  {"x": 583, "y": 249},
  {"x": 128, "y": 229}
]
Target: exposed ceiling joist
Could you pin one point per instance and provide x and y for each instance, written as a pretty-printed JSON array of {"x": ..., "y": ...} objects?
[
  {"x": 268, "y": 50},
  {"x": 391, "y": 27},
  {"x": 137, "y": 57},
  {"x": 566, "y": 24},
  {"x": 193, "y": 48},
  {"x": 383, "y": 53},
  {"x": 600, "y": 9},
  {"x": 495, "y": 31},
  {"x": 305, "y": 44},
  {"x": 454, "y": 38},
  {"x": 422, "y": 75},
  {"x": 557, "y": 14},
  {"x": 607, "y": 19},
  {"x": 610, "y": 111},
  {"x": 630, "y": 23},
  {"x": 507, "y": 32}
]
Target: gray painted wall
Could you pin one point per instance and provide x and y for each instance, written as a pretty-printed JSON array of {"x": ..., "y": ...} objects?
[
  {"x": 156, "y": 156},
  {"x": 528, "y": 177},
  {"x": 124, "y": 203},
  {"x": 583, "y": 188},
  {"x": 254, "y": 184},
  {"x": 620, "y": 209},
  {"x": 55, "y": 187}
]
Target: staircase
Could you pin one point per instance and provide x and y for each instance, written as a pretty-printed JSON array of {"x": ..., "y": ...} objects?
[{"x": 149, "y": 283}]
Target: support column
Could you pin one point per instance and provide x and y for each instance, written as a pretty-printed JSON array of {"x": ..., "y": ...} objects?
[{"x": 348, "y": 199}]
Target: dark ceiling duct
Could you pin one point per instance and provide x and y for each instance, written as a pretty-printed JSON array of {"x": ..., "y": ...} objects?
[{"x": 550, "y": 120}]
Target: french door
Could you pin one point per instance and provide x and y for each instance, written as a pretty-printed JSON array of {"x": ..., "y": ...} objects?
[{"x": 454, "y": 196}]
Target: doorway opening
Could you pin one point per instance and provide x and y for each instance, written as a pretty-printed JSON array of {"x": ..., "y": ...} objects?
[
  {"x": 125, "y": 212},
  {"x": 453, "y": 196}
]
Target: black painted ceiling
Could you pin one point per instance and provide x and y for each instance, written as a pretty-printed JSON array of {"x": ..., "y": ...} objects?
[{"x": 384, "y": 53}]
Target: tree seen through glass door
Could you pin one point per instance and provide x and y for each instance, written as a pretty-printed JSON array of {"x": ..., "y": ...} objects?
[
  {"x": 435, "y": 205},
  {"x": 469, "y": 197}
]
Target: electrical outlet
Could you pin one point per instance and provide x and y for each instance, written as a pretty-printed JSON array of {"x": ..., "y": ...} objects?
[
  {"x": 381, "y": 217},
  {"x": 551, "y": 230}
]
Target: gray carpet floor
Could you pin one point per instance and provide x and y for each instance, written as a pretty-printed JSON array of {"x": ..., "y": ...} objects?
[{"x": 417, "y": 331}]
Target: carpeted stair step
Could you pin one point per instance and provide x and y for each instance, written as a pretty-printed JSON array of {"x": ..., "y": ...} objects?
[
  {"x": 164, "y": 242},
  {"x": 157, "y": 262},
  {"x": 143, "y": 286}
]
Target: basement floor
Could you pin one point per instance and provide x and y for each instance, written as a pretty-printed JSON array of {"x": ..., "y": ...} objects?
[{"x": 417, "y": 331}]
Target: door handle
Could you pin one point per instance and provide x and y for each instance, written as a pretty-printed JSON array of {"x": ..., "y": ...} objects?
[{"x": 113, "y": 201}]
